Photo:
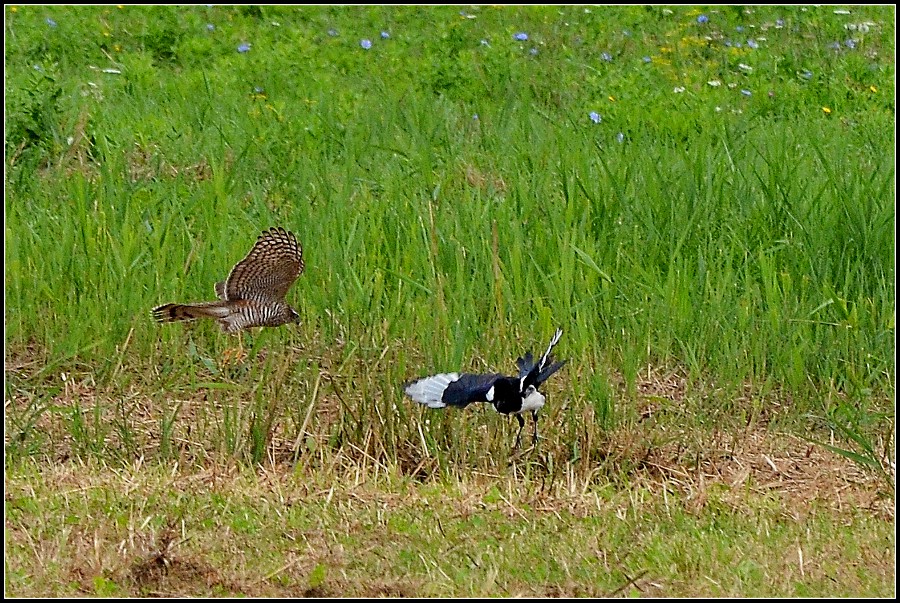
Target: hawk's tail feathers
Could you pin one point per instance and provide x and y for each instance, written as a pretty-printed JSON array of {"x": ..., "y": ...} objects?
[{"x": 177, "y": 312}]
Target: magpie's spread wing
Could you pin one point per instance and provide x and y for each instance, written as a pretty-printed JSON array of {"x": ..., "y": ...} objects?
[
  {"x": 451, "y": 389},
  {"x": 549, "y": 370},
  {"x": 525, "y": 364}
]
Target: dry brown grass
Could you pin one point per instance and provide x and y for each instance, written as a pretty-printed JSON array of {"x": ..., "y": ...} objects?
[
  {"x": 654, "y": 464},
  {"x": 653, "y": 448},
  {"x": 157, "y": 550}
]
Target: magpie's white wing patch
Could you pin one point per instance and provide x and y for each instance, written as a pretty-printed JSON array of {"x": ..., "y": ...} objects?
[
  {"x": 430, "y": 390},
  {"x": 489, "y": 396}
]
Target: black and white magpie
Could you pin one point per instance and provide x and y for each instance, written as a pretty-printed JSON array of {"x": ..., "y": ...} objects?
[{"x": 509, "y": 395}]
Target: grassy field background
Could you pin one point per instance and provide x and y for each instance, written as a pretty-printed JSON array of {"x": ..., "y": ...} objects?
[{"x": 703, "y": 200}]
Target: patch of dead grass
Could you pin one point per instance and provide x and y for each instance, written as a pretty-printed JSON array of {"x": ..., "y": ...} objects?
[
  {"x": 681, "y": 466},
  {"x": 484, "y": 181},
  {"x": 180, "y": 558},
  {"x": 654, "y": 451}
]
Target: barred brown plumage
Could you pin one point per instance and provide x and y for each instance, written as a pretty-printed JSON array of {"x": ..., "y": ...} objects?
[{"x": 254, "y": 293}]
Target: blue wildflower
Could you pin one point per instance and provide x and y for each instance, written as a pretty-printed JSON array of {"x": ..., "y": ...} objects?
[
  {"x": 851, "y": 44},
  {"x": 606, "y": 56},
  {"x": 753, "y": 44},
  {"x": 595, "y": 117},
  {"x": 807, "y": 74},
  {"x": 835, "y": 46},
  {"x": 746, "y": 93},
  {"x": 50, "y": 22},
  {"x": 620, "y": 137},
  {"x": 521, "y": 37},
  {"x": 533, "y": 51},
  {"x": 739, "y": 28},
  {"x": 646, "y": 59},
  {"x": 475, "y": 116},
  {"x": 779, "y": 23},
  {"x": 210, "y": 27},
  {"x": 702, "y": 19},
  {"x": 385, "y": 35},
  {"x": 332, "y": 32},
  {"x": 244, "y": 47},
  {"x": 365, "y": 43}
]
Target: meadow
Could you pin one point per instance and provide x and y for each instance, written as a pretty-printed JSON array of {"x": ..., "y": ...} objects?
[{"x": 703, "y": 199}]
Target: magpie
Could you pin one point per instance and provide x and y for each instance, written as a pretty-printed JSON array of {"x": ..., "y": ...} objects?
[{"x": 508, "y": 395}]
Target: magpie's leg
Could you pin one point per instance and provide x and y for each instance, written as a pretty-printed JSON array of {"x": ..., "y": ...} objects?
[
  {"x": 534, "y": 416},
  {"x": 519, "y": 435}
]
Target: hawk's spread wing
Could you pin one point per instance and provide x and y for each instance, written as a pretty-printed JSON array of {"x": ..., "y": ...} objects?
[{"x": 268, "y": 271}]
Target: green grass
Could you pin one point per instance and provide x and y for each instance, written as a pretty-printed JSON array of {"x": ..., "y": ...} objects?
[{"x": 721, "y": 264}]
